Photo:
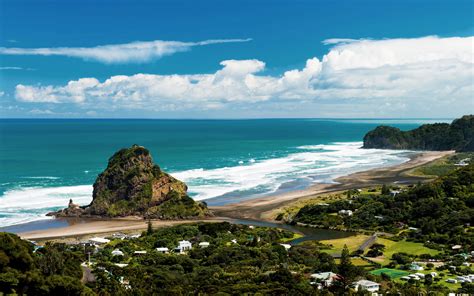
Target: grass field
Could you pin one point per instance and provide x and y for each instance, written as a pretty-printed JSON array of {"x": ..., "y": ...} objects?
[
  {"x": 352, "y": 242},
  {"x": 287, "y": 239},
  {"x": 392, "y": 247},
  {"x": 392, "y": 273},
  {"x": 440, "y": 167}
]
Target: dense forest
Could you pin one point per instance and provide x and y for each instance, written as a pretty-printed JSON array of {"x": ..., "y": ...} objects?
[
  {"x": 459, "y": 136},
  {"x": 441, "y": 212}
]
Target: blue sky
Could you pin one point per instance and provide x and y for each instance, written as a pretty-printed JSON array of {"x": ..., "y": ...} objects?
[{"x": 284, "y": 35}]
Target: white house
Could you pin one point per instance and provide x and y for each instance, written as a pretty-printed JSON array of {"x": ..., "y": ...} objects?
[
  {"x": 117, "y": 252},
  {"x": 394, "y": 192},
  {"x": 204, "y": 244},
  {"x": 139, "y": 253},
  {"x": 286, "y": 246},
  {"x": 365, "y": 285},
  {"x": 163, "y": 250},
  {"x": 456, "y": 247},
  {"x": 416, "y": 267},
  {"x": 99, "y": 240},
  {"x": 345, "y": 212},
  {"x": 184, "y": 246},
  {"x": 323, "y": 279}
]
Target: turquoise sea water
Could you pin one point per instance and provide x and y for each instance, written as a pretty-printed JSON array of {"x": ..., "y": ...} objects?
[{"x": 45, "y": 162}]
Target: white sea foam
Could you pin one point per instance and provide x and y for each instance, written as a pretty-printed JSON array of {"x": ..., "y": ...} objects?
[
  {"x": 314, "y": 164},
  {"x": 32, "y": 203},
  {"x": 323, "y": 165}
]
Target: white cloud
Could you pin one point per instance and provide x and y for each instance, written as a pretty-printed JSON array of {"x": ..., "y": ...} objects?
[
  {"x": 394, "y": 74},
  {"x": 134, "y": 52},
  {"x": 15, "y": 68}
]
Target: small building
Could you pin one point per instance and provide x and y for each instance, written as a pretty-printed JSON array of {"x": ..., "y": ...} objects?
[
  {"x": 99, "y": 240},
  {"x": 394, "y": 193},
  {"x": 345, "y": 212},
  {"x": 183, "y": 246},
  {"x": 117, "y": 252},
  {"x": 204, "y": 244},
  {"x": 420, "y": 275},
  {"x": 121, "y": 265},
  {"x": 416, "y": 267},
  {"x": 405, "y": 278},
  {"x": 365, "y": 285},
  {"x": 456, "y": 247},
  {"x": 163, "y": 250},
  {"x": 234, "y": 241},
  {"x": 434, "y": 274},
  {"x": 323, "y": 279},
  {"x": 451, "y": 281},
  {"x": 139, "y": 253},
  {"x": 286, "y": 246}
]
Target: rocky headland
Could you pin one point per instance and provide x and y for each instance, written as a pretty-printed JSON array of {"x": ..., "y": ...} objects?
[
  {"x": 459, "y": 136},
  {"x": 132, "y": 185}
]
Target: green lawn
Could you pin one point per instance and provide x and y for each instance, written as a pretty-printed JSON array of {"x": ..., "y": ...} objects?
[
  {"x": 392, "y": 247},
  {"x": 288, "y": 239},
  {"x": 392, "y": 273},
  {"x": 352, "y": 242}
]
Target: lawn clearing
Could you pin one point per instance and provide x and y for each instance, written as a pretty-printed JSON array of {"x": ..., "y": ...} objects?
[
  {"x": 352, "y": 242},
  {"x": 403, "y": 246},
  {"x": 392, "y": 273}
]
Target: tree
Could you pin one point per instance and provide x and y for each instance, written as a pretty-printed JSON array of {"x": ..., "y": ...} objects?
[
  {"x": 385, "y": 189},
  {"x": 346, "y": 269},
  {"x": 149, "y": 229}
]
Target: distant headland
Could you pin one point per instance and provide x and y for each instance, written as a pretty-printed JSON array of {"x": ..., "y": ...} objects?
[{"x": 459, "y": 136}]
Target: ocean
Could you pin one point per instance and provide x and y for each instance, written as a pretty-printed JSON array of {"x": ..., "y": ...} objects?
[{"x": 45, "y": 162}]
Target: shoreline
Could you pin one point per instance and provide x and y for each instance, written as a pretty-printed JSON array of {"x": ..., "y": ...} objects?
[{"x": 258, "y": 209}]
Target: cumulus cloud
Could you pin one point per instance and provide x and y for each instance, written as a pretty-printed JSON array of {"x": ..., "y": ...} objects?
[
  {"x": 134, "y": 52},
  {"x": 394, "y": 73}
]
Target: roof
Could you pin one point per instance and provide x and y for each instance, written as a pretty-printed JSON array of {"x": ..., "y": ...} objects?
[
  {"x": 99, "y": 240},
  {"x": 204, "y": 243},
  {"x": 323, "y": 275},
  {"x": 161, "y": 249},
  {"x": 366, "y": 283}
]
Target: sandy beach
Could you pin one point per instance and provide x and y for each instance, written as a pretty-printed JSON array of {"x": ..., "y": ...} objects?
[{"x": 254, "y": 209}]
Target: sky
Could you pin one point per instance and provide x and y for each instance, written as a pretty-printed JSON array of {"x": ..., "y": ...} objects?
[{"x": 236, "y": 59}]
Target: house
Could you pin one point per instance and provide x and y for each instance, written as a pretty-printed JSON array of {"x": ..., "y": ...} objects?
[
  {"x": 234, "y": 241},
  {"x": 365, "y": 285},
  {"x": 394, "y": 193},
  {"x": 323, "y": 279},
  {"x": 451, "y": 281},
  {"x": 286, "y": 246},
  {"x": 345, "y": 212},
  {"x": 99, "y": 241},
  {"x": 405, "y": 278},
  {"x": 434, "y": 274},
  {"x": 183, "y": 246},
  {"x": 420, "y": 275},
  {"x": 204, "y": 244},
  {"x": 117, "y": 252},
  {"x": 163, "y": 250},
  {"x": 416, "y": 267},
  {"x": 138, "y": 253},
  {"x": 121, "y": 265},
  {"x": 456, "y": 247}
]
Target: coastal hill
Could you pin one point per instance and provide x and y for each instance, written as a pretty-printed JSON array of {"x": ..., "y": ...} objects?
[
  {"x": 459, "y": 136},
  {"x": 133, "y": 185}
]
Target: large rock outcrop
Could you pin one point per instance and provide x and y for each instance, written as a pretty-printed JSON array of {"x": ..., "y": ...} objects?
[
  {"x": 459, "y": 136},
  {"x": 133, "y": 185}
]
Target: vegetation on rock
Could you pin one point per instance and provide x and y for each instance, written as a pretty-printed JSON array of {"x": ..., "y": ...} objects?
[
  {"x": 459, "y": 136},
  {"x": 133, "y": 185}
]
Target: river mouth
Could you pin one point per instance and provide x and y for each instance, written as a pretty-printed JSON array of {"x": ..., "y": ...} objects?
[{"x": 309, "y": 233}]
